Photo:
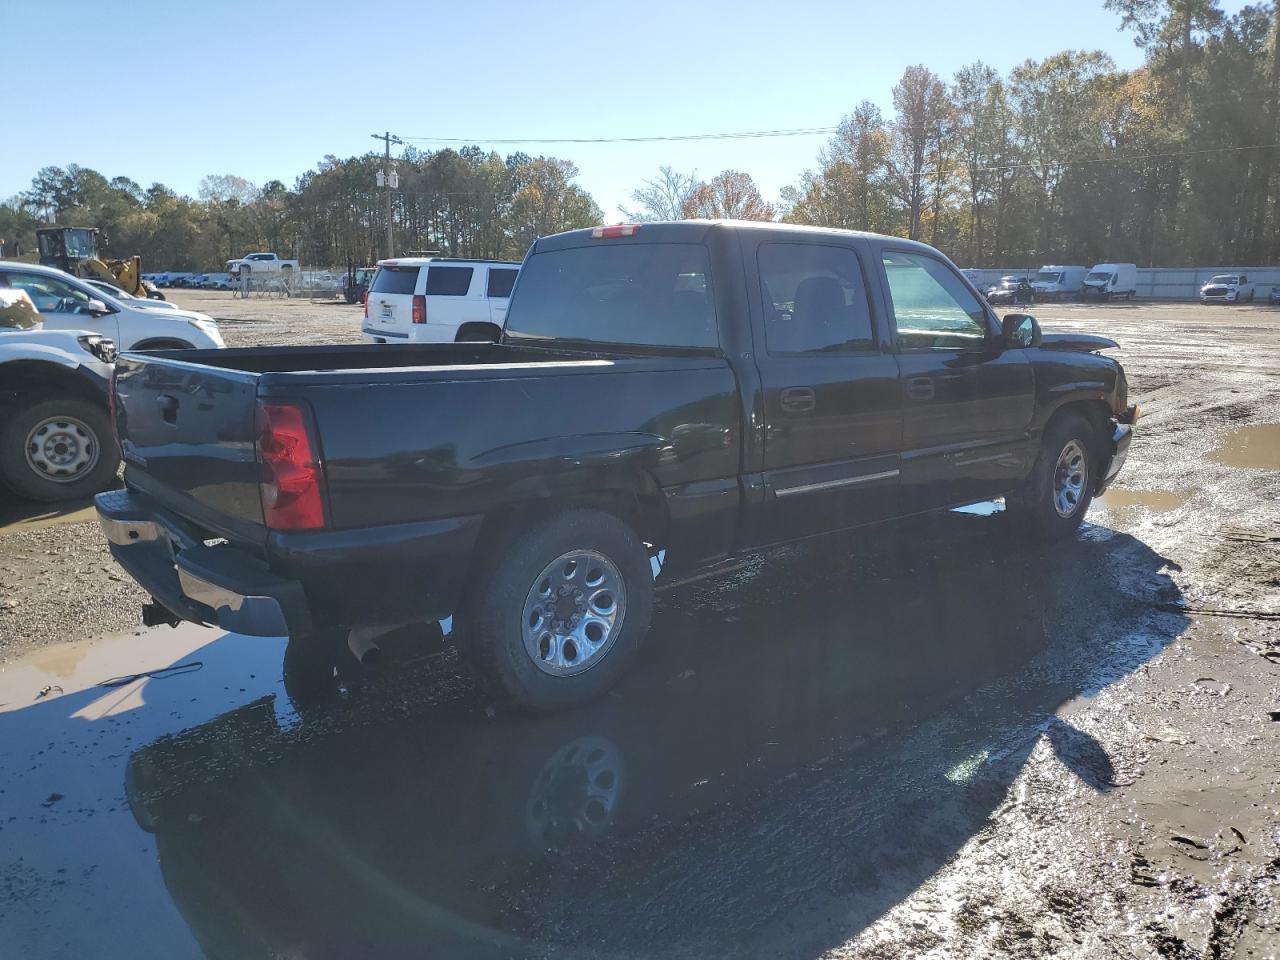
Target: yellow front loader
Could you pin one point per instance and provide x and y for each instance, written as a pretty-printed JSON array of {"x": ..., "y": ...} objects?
[{"x": 75, "y": 250}]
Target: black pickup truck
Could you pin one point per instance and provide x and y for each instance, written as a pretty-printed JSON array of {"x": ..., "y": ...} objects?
[{"x": 665, "y": 397}]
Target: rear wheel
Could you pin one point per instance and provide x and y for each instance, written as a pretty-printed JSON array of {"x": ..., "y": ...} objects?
[
  {"x": 1056, "y": 496},
  {"x": 57, "y": 449},
  {"x": 558, "y": 612}
]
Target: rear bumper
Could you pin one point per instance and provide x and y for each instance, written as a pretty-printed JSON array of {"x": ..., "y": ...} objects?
[
  {"x": 401, "y": 573},
  {"x": 218, "y": 585},
  {"x": 420, "y": 333}
]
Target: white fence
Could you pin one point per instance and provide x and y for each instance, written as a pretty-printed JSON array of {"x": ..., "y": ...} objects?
[{"x": 1159, "y": 283}]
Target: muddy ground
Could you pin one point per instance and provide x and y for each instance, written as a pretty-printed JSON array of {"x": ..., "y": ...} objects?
[{"x": 934, "y": 740}]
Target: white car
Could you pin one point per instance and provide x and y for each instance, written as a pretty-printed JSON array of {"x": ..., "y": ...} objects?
[
  {"x": 438, "y": 300},
  {"x": 69, "y": 303},
  {"x": 1227, "y": 288},
  {"x": 111, "y": 290}
]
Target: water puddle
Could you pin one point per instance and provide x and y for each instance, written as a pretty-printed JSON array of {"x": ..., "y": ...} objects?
[
  {"x": 1256, "y": 446},
  {"x": 1128, "y": 502}
]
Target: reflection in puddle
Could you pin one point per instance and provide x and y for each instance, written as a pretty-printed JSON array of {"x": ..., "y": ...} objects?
[
  {"x": 1256, "y": 446},
  {"x": 1126, "y": 502}
]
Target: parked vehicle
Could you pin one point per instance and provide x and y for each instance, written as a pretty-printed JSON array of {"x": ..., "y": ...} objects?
[
  {"x": 1273, "y": 298},
  {"x": 1012, "y": 290},
  {"x": 68, "y": 303},
  {"x": 1109, "y": 281},
  {"x": 180, "y": 279},
  {"x": 257, "y": 264},
  {"x": 215, "y": 281},
  {"x": 438, "y": 300},
  {"x": 1057, "y": 282},
  {"x": 55, "y": 433},
  {"x": 665, "y": 397},
  {"x": 146, "y": 303},
  {"x": 1228, "y": 288}
]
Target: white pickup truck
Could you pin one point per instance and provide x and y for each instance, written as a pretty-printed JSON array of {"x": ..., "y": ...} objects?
[
  {"x": 1228, "y": 288},
  {"x": 260, "y": 263}
]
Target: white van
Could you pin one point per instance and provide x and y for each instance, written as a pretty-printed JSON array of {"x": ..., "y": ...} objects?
[
  {"x": 1055, "y": 282},
  {"x": 438, "y": 300},
  {"x": 1108, "y": 281}
]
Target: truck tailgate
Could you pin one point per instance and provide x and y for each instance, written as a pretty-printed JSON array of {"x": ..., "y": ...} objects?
[{"x": 187, "y": 436}]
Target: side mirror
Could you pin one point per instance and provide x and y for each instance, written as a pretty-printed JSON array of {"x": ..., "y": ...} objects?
[
  {"x": 95, "y": 308},
  {"x": 1020, "y": 330}
]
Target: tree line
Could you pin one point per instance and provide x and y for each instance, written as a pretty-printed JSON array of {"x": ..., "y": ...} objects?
[{"x": 1064, "y": 159}]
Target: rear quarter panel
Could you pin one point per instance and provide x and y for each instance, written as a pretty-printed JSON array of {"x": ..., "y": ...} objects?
[{"x": 414, "y": 451}]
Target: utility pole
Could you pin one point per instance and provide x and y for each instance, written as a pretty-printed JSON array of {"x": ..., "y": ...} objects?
[{"x": 390, "y": 179}]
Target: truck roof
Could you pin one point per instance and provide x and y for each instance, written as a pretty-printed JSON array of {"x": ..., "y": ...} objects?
[{"x": 696, "y": 231}]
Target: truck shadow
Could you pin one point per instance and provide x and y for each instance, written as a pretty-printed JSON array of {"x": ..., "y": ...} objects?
[{"x": 802, "y": 744}]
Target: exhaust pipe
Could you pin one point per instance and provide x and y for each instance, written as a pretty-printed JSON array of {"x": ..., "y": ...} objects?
[
  {"x": 362, "y": 646},
  {"x": 156, "y": 613}
]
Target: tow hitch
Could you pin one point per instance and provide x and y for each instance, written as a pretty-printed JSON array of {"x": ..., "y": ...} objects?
[{"x": 154, "y": 614}]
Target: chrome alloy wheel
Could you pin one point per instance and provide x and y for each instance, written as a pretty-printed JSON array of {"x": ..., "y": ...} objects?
[
  {"x": 1070, "y": 477},
  {"x": 573, "y": 613},
  {"x": 61, "y": 449}
]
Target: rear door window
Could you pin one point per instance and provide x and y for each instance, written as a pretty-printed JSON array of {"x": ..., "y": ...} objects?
[
  {"x": 656, "y": 294},
  {"x": 400, "y": 280},
  {"x": 500, "y": 282},
  {"x": 814, "y": 299},
  {"x": 449, "y": 281}
]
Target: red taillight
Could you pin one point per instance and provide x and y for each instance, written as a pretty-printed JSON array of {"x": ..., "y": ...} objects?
[
  {"x": 616, "y": 230},
  {"x": 292, "y": 476},
  {"x": 419, "y": 308},
  {"x": 366, "y": 304}
]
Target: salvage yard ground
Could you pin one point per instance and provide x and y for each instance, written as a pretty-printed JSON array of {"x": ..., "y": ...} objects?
[{"x": 930, "y": 740}]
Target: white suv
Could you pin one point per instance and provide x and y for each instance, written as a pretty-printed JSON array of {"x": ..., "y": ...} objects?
[
  {"x": 69, "y": 303},
  {"x": 438, "y": 300}
]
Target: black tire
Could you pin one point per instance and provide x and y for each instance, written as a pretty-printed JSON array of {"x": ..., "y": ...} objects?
[
  {"x": 23, "y": 478},
  {"x": 317, "y": 668},
  {"x": 1034, "y": 507},
  {"x": 490, "y": 621}
]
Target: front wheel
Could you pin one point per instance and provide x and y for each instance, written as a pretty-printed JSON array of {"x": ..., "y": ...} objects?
[
  {"x": 57, "y": 449},
  {"x": 560, "y": 609},
  {"x": 1056, "y": 496}
]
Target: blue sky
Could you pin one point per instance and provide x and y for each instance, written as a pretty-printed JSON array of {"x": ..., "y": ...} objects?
[{"x": 264, "y": 90}]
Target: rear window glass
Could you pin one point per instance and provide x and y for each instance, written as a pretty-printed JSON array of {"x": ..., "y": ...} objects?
[
  {"x": 637, "y": 293},
  {"x": 448, "y": 281},
  {"x": 501, "y": 282},
  {"x": 395, "y": 280}
]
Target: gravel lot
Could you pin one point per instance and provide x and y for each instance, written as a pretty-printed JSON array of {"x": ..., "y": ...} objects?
[{"x": 1109, "y": 789}]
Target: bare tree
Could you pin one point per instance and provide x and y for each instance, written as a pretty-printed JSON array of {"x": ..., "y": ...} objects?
[
  {"x": 730, "y": 195},
  {"x": 662, "y": 198}
]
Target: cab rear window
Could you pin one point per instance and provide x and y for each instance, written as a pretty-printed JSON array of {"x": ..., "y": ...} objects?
[
  {"x": 645, "y": 294},
  {"x": 395, "y": 280}
]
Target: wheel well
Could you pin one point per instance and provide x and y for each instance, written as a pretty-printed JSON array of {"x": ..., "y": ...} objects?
[
  {"x": 1096, "y": 412},
  {"x": 644, "y": 512},
  {"x": 162, "y": 343},
  {"x": 25, "y": 377},
  {"x": 478, "y": 326}
]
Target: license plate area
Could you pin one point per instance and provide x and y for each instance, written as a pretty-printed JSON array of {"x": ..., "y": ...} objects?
[{"x": 387, "y": 312}]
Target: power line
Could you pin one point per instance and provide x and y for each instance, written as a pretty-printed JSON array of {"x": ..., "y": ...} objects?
[{"x": 740, "y": 135}]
